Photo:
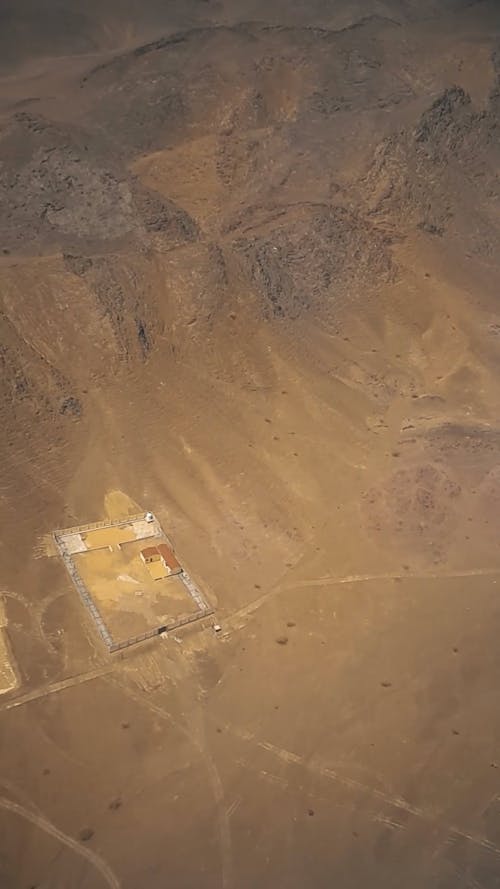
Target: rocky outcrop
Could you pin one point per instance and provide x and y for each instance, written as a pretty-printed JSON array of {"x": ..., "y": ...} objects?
[
  {"x": 123, "y": 299},
  {"x": 440, "y": 173},
  {"x": 312, "y": 256},
  {"x": 63, "y": 188}
]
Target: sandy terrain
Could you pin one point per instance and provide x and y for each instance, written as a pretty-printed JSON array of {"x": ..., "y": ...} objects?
[
  {"x": 249, "y": 280},
  {"x": 130, "y": 599}
]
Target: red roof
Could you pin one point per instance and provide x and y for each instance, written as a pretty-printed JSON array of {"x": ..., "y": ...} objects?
[
  {"x": 165, "y": 552},
  {"x": 168, "y": 557},
  {"x": 149, "y": 552}
]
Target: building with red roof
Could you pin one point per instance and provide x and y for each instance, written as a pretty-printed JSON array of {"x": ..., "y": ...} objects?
[{"x": 163, "y": 553}]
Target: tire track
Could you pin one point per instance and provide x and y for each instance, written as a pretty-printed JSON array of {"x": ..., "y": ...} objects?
[
  {"x": 364, "y": 578},
  {"x": 55, "y": 687},
  {"x": 398, "y": 803},
  {"x": 224, "y": 829},
  {"x": 44, "y": 824},
  {"x": 333, "y": 580}
]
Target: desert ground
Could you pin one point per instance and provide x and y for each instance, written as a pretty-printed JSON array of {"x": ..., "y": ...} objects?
[{"x": 249, "y": 266}]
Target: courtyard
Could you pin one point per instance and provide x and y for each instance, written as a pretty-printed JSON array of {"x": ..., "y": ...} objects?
[{"x": 129, "y": 578}]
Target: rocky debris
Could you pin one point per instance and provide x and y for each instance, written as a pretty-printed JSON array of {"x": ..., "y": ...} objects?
[
  {"x": 444, "y": 127},
  {"x": 71, "y": 406},
  {"x": 473, "y": 447},
  {"x": 123, "y": 299},
  {"x": 59, "y": 188},
  {"x": 431, "y": 228},
  {"x": 217, "y": 265},
  {"x": 30, "y": 386},
  {"x": 360, "y": 78},
  {"x": 437, "y": 174},
  {"x": 62, "y": 187},
  {"x": 77, "y": 265},
  {"x": 161, "y": 93},
  {"x": 243, "y": 77},
  {"x": 85, "y": 834},
  {"x": 421, "y": 501},
  {"x": 273, "y": 117},
  {"x": 163, "y": 217},
  {"x": 312, "y": 256}
]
